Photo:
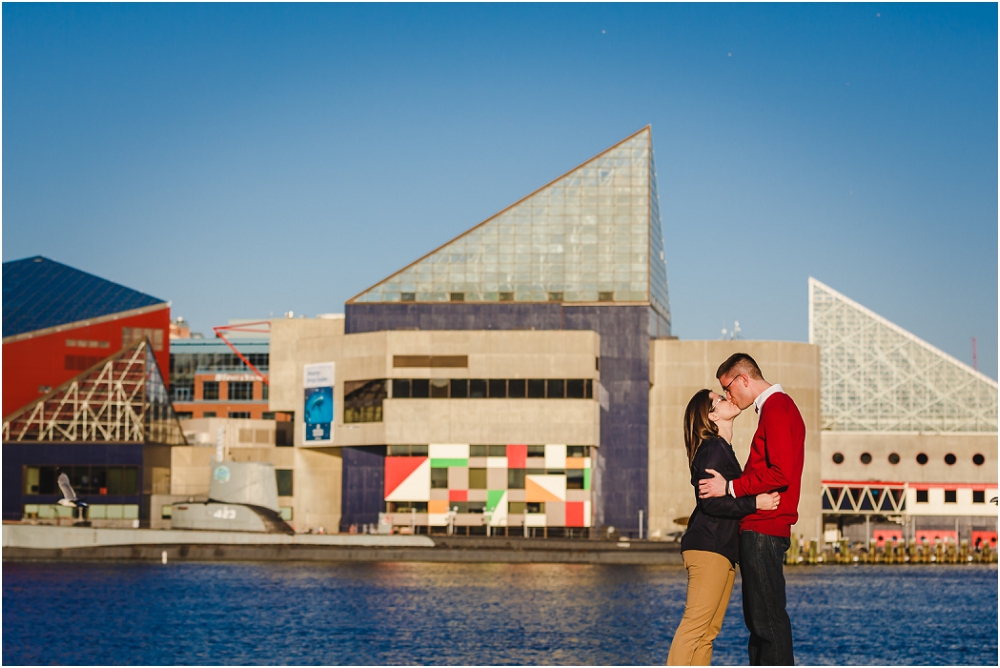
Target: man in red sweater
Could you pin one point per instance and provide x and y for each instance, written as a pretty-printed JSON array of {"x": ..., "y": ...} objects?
[{"x": 774, "y": 464}]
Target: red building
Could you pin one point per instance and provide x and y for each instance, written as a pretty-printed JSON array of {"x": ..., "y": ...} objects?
[{"x": 59, "y": 321}]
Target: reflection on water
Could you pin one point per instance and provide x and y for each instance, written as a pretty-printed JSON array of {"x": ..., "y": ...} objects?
[{"x": 405, "y": 613}]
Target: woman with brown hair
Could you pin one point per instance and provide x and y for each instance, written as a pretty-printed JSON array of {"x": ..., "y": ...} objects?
[{"x": 710, "y": 546}]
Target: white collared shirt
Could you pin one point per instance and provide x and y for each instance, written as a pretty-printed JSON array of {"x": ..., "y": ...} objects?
[{"x": 763, "y": 396}]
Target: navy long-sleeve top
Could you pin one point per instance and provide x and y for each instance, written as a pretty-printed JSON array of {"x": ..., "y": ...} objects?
[{"x": 715, "y": 523}]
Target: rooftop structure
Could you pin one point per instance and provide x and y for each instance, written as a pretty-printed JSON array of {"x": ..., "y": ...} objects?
[
  {"x": 39, "y": 294},
  {"x": 879, "y": 377},
  {"x": 122, "y": 399},
  {"x": 593, "y": 235},
  {"x": 59, "y": 321}
]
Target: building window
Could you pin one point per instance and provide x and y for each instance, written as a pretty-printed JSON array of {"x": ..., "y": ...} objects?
[
  {"x": 921, "y": 496},
  {"x": 407, "y": 296},
  {"x": 577, "y": 451},
  {"x": 574, "y": 479},
  {"x": 517, "y": 388},
  {"x": 537, "y": 508},
  {"x": 949, "y": 459},
  {"x": 516, "y": 507},
  {"x": 951, "y": 496},
  {"x": 555, "y": 296},
  {"x": 536, "y": 450},
  {"x": 506, "y": 296},
  {"x": 498, "y": 388},
  {"x": 576, "y": 389},
  {"x": 838, "y": 458},
  {"x": 979, "y": 496},
  {"x": 182, "y": 390},
  {"x": 363, "y": 400},
  {"x": 893, "y": 458},
  {"x": 555, "y": 388},
  {"x": 86, "y": 480},
  {"x": 439, "y": 478},
  {"x": 605, "y": 296},
  {"x": 978, "y": 459},
  {"x": 166, "y": 512},
  {"x": 406, "y": 451},
  {"x": 132, "y": 335},
  {"x": 477, "y": 388},
  {"x": 479, "y": 451},
  {"x": 459, "y": 388},
  {"x": 921, "y": 459},
  {"x": 406, "y": 506},
  {"x": 458, "y": 296},
  {"x": 477, "y": 478},
  {"x": 515, "y": 478},
  {"x": 265, "y": 392},
  {"x": 284, "y": 478},
  {"x": 866, "y": 458},
  {"x": 400, "y": 388},
  {"x": 240, "y": 391},
  {"x": 239, "y": 415},
  {"x": 210, "y": 390},
  {"x": 439, "y": 388},
  {"x": 536, "y": 388},
  {"x": 80, "y": 343},
  {"x": 208, "y": 414},
  {"x": 420, "y": 388},
  {"x": 184, "y": 415}
]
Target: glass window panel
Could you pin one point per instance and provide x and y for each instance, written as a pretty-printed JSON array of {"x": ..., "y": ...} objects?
[
  {"x": 439, "y": 388},
  {"x": 498, "y": 388},
  {"x": 477, "y": 478},
  {"x": 536, "y": 388},
  {"x": 556, "y": 388},
  {"x": 420, "y": 388},
  {"x": 477, "y": 388}
]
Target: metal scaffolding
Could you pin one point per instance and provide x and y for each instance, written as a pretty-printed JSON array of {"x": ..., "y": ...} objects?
[
  {"x": 122, "y": 399},
  {"x": 876, "y": 376}
]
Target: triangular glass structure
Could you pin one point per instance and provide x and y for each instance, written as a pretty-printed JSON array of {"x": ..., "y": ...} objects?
[
  {"x": 876, "y": 376},
  {"x": 592, "y": 235},
  {"x": 121, "y": 399}
]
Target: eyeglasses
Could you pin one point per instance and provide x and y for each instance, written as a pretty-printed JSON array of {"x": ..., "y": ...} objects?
[
  {"x": 716, "y": 403},
  {"x": 726, "y": 388}
]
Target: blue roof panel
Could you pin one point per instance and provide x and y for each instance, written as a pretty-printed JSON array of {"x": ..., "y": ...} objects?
[{"x": 39, "y": 293}]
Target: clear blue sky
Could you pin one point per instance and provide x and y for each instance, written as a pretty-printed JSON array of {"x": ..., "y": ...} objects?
[{"x": 244, "y": 160}]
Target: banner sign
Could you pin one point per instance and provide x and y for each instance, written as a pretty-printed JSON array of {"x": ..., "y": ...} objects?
[{"x": 317, "y": 380}]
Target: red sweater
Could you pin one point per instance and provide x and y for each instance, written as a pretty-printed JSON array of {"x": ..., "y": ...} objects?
[{"x": 775, "y": 464}]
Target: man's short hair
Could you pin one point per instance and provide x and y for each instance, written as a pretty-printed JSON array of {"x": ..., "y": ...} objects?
[{"x": 741, "y": 363}]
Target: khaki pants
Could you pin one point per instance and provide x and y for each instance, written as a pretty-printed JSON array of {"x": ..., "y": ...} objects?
[{"x": 710, "y": 582}]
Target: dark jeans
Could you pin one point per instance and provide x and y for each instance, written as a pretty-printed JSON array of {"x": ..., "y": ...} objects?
[{"x": 761, "y": 558}]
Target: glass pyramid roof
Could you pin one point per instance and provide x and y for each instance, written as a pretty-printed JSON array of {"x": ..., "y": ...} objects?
[
  {"x": 876, "y": 376},
  {"x": 592, "y": 235},
  {"x": 39, "y": 293}
]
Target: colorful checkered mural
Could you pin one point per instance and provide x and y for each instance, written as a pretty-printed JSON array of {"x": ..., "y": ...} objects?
[{"x": 511, "y": 485}]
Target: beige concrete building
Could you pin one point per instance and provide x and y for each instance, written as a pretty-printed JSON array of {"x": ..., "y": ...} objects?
[
  {"x": 681, "y": 368},
  {"x": 506, "y": 408}
]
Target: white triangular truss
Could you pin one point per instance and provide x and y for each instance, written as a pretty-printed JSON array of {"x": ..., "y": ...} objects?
[
  {"x": 120, "y": 400},
  {"x": 876, "y": 376}
]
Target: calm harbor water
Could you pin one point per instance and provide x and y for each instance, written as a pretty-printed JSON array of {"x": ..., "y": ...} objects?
[{"x": 406, "y": 613}]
